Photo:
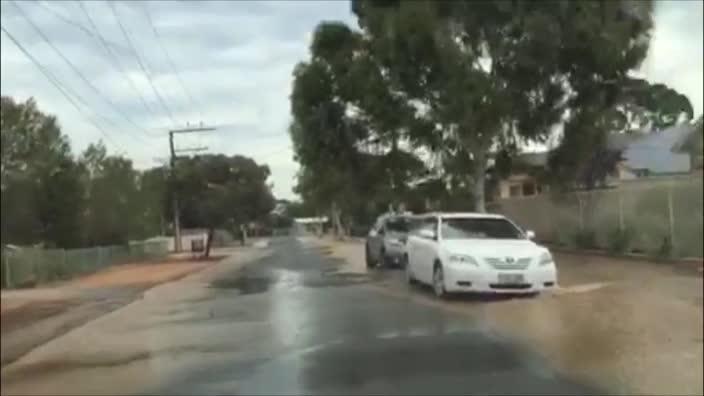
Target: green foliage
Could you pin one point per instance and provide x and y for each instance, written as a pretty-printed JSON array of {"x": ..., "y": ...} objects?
[
  {"x": 347, "y": 129},
  {"x": 666, "y": 249},
  {"x": 112, "y": 183},
  {"x": 457, "y": 80},
  {"x": 41, "y": 190},
  {"x": 585, "y": 239},
  {"x": 217, "y": 191},
  {"x": 619, "y": 240},
  {"x": 53, "y": 199}
]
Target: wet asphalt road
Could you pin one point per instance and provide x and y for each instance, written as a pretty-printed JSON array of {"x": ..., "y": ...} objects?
[{"x": 331, "y": 333}]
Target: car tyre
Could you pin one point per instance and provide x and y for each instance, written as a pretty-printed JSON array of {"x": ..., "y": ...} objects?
[
  {"x": 383, "y": 261},
  {"x": 386, "y": 260},
  {"x": 439, "y": 282},
  {"x": 368, "y": 257}
]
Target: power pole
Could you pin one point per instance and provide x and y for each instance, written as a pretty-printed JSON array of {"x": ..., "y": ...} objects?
[{"x": 176, "y": 210}]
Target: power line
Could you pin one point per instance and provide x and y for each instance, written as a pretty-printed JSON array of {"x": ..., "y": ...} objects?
[
  {"x": 106, "y": 45},
  {"x": 79, "y": 26},
  {"x": 139, "y": 60},
  {"x": 145, "y": 7},
  {"x": 55, "y": 82},
  {"x": 75, "y": 69},
  {"x": 114, "y": 58}
]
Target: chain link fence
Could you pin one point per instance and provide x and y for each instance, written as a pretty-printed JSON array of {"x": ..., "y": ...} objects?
[
  {"x": 659, "y": 217},
  {"x": 23, "y": 267}
]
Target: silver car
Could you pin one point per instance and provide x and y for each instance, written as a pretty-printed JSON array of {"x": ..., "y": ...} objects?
[{"x": 386, "y": 241}]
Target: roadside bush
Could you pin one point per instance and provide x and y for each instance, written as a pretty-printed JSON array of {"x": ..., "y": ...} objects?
[
  {"x": 666, "y": 249},
  {"x": 585, "y": 239},
  {"x": 619, "y": 240}
]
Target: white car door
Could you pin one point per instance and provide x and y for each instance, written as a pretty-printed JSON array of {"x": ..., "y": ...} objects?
[
  {"x": 412, "y": 246},
  {"x": 429, "y": 249},
  {"x": 423, "y": 252},
  {"x": 415, "y": 248}
]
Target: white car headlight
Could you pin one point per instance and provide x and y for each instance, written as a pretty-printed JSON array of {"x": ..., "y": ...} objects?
[
  {"x": 462, "y": 258},
  {"x": 545, "y": 258}
]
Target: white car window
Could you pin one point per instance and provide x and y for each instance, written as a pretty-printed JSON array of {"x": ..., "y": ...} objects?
[
  {"x": 479, "y": 228},
  {"x": 424, "y": 223}
]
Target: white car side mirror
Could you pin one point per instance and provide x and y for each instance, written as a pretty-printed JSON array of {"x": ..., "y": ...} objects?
[{"x": 530, "y": 234}]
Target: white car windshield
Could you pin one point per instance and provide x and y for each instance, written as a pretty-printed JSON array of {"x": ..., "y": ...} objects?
[{"x": 478, "y": 228}]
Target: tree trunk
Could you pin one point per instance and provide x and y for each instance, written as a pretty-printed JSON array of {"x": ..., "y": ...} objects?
[
  {"x": 243, "y": 235},
  {"x": 208, "y": 242},
  {"x": 337, "y": 225},
  {"x": 479, "y": 176}
]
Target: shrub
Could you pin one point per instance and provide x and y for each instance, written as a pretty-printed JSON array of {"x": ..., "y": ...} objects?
[
  {"x": 666, "y": 249},
  {"x": 619, "y": 240},
  {"x": 585, "y": 239}
]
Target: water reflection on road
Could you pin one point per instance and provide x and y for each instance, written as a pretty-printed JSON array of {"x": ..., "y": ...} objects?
[{"x": 290, "y": 322}]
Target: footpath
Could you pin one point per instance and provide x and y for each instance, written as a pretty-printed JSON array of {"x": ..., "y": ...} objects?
[{"x": 32, "y": 317}]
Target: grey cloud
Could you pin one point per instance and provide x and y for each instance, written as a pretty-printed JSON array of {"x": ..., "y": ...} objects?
[{"x": 236, "y": 59}]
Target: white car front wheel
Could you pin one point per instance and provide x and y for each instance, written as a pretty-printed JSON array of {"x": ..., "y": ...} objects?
[{"x": 439, "y": 282}]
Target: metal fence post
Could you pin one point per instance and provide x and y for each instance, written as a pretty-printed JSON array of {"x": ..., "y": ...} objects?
[
  {"x": 101, "y": 256},
  {"x": 8, "y": 272},
  {"x": 671, "y": 215},
  {"x": 35, "y": 264},
  {"x": 63, "y": 263},
  {"x": 581, "y": 210},
  {"x": 621, "y": 225}
]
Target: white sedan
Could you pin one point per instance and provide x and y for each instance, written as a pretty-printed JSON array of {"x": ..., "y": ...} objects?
[{"x": 477, "y": 252}]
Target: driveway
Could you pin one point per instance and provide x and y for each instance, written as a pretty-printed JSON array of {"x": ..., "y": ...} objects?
[{"x": 297, "y": 318}]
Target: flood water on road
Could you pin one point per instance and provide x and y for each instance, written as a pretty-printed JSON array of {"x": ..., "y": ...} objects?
[
  {"x": 289, "y": 322},
  {"x": 337, "y": 336}
]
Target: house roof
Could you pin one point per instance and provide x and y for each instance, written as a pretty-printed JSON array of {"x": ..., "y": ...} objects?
[
  {"x": 538, "y": 159},
  {"x": 619, "y": 141},
  {"x": 672, "y": 138},
  {"x": 658, "y": 152}
]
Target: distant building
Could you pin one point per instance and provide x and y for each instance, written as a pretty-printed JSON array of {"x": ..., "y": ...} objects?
[
  {"x": 523, "y": 182},
  {"x": 653, "y": 154},
  {"x": 188, "y": 237},
  {"x": 663, "y": 153},
  {"x": 311, "y": 224}
]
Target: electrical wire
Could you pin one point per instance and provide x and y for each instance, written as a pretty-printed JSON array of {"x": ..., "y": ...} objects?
[
  {"x": 141, "y": 64},
  {"x": 57, "y": 84},
  {"x": 114, "y": 60},
  {"x": 76, "y": 70},
  {"x": 78, "y": 25},
  {"x": 188, "y": 95}
]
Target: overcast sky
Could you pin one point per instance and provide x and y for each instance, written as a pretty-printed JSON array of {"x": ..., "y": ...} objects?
[{"x": 235, "y": 61}]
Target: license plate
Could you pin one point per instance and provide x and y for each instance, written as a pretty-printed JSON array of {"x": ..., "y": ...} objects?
[{"x": 511, "y": 278}]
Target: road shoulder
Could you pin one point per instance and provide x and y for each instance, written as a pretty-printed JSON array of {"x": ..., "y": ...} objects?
[
  {"x": 32, "y": 317},
  {"x": 634, "y": 326}
]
